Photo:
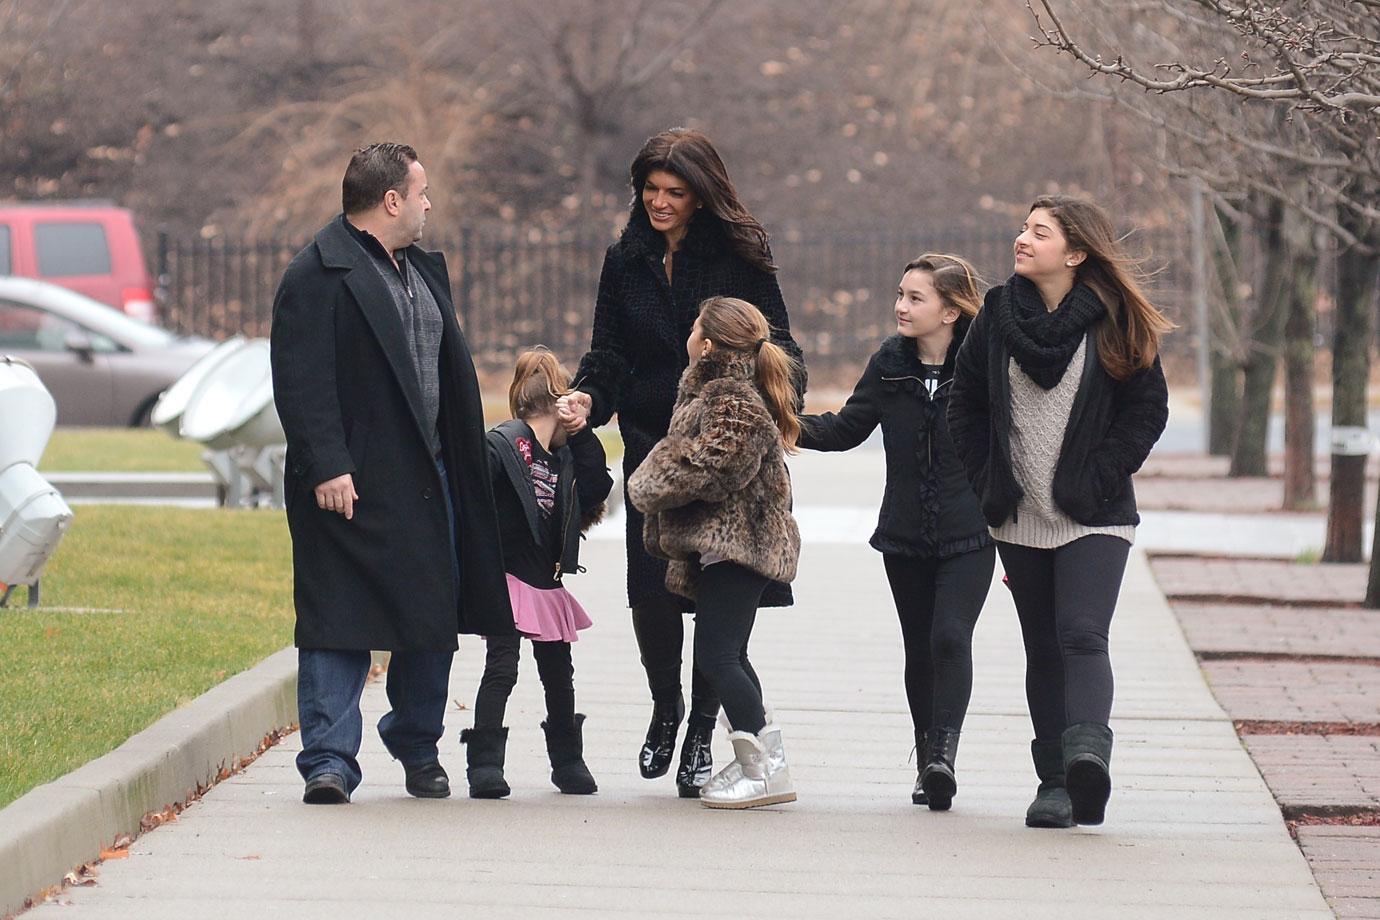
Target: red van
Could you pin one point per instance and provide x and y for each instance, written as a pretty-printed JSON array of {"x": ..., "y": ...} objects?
[{"x": 90, "y": 248}]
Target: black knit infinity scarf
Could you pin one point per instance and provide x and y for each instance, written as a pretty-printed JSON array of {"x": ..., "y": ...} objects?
[{"x": 1043, "y": 343}]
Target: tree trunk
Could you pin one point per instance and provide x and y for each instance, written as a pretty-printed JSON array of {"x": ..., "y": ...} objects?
[
  {"x": 1356, "y": 279},
  {"x": 1300, "y": 478},
  {"x": 1224, "y": 410},
  {"x": 1249, "y": 454}
]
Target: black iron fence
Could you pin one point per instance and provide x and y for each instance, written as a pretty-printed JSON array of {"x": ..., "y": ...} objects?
[{"x": 513, "y": 288}]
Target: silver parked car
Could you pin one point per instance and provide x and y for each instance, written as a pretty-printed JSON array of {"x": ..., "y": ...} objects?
[{"x": 102, "y": 366}]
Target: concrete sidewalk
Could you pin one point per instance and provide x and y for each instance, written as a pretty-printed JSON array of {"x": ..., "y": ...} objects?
[{"x": 1192, "y": 830}]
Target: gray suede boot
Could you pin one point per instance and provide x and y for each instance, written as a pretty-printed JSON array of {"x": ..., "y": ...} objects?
[
  {"x": 1051, "y": 807},
  {"x": 1087, "y": 753}
]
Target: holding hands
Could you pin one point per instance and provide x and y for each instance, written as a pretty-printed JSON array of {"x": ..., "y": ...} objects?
[{"x": 572, "y": 411}]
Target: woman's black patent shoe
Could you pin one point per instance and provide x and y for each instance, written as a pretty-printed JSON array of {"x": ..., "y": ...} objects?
[
  {"x": 696, "y": 756},
  {"x": 655, "y": 758}
]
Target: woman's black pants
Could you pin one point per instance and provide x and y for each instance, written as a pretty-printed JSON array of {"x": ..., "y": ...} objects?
[
  {"x": 938, "y": 602},
  {"x": 660, "y": 630},
  {"x": 1065, "y": 598},
  {"x": 554, "y": 666}
]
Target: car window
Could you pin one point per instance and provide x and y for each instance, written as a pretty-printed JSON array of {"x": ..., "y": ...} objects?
[
  {"x": 5, "y": 249},
  {"x": 69, "y": 249},
  {"x": 27, "y": 328}
]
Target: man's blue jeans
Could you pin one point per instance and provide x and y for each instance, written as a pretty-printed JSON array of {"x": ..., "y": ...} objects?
[
  {"x": 329, "y": 684},
  {"x": 331, "y": 681}
]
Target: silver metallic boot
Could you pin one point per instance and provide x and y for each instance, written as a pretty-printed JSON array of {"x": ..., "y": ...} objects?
[{"x": 757, "y": 776}]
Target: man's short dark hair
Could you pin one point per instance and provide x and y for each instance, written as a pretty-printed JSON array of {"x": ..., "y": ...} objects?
[{"x": 372, "y": 172}]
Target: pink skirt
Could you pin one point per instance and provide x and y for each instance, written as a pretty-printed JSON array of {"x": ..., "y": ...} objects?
[{"x": 546, "y": 615}]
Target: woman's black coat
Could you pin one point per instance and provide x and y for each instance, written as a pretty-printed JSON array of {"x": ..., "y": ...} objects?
[
  {"x": 637, "y": 353},
  {"x": 1111, "y": 429},
  {"x": 583, "y": 482},
  {"x": 928, "y": 508},
  {"x": 350, "y": 402}
]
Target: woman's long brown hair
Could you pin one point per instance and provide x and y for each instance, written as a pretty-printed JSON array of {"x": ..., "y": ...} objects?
[
  {"x": 736, "y": 324},
  {"x": 1130, "y": 338},
  {"x": 691, "y": 156}
]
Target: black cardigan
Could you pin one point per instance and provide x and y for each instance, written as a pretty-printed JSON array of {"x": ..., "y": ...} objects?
[
  {"x": 928, "y": 507},
  {"x": 637, "y": 352},
  {"x": 1111, "y": 429},
  {"x": 582, "y": 485}
]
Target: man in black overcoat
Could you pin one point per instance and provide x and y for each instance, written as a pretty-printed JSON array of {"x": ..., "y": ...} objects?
[{"x": 394, "y": 535}]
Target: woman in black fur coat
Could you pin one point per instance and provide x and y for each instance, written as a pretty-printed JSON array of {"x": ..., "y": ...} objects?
[
  {"x": 688, "y": 239},
  {"x": 938, "y": 556},
  {"x": 1057, "y": 399}
]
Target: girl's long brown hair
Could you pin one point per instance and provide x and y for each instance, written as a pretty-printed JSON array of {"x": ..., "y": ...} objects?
[
  {"x": 1130, "y": 338},
  {"x": 736, "y": 324},
  {"x": 538, "y": 381},
  {"x": 691, "y": 156}
]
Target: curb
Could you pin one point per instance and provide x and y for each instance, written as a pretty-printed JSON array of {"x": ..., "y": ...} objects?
[
  {"x": 55, "y": 827},
  {"x": 149, "y": 486}
]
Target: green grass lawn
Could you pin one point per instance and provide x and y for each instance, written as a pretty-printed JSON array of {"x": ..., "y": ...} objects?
[
  {"x": 144, "y": 609},
  {"x": 147, "y": 450},
  {"x": 124, "y": 450}
]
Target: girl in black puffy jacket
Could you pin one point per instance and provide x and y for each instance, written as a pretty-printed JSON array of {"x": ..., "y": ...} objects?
[{"x": 933, "y": 539}]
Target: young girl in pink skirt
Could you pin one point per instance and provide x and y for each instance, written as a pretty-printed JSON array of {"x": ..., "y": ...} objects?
[{"x": 549, "y": 482}]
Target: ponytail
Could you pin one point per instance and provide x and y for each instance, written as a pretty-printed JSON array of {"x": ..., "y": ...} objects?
[
  {"x": 776, "y": 372},
  {"x": 737, "y": 324}
]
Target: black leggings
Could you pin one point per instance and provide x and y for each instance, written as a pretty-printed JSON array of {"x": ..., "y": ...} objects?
[
  {"x": 554, "y": 666},
  {"x": 938, "y": 602},
  {"x": 1065, "y": 598},
  {"x": 726, "y": 607},
  {"x": 660, "y": 631}
]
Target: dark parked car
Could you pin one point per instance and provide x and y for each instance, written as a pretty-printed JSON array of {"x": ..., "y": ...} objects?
[{"x": 102, "y": 366}]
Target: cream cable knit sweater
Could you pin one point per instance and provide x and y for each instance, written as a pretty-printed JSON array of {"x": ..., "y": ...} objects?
[{"x": 1038, "y": 420}]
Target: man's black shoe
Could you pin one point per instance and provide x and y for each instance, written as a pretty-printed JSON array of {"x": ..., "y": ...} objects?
[
  {"x": 427, "y": 780},
  {"x": 326, "y": 789}
]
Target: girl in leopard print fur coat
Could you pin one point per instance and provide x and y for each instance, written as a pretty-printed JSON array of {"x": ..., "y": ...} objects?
[{"x": 717, "y": 500}]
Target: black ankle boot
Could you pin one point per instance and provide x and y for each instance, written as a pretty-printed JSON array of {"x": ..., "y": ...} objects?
[
  {"x": 565, "y": 747},
  {"x": 696, "y": 756},
  {"x": 1051, "y": 807},
  {"x": 937, "y": 779},
  {"x": 1087, "y": 753},
  {"x": 922, "y": 747},
  {"x": 660, "y": 746},
  {"x": 484, "y": 751}
]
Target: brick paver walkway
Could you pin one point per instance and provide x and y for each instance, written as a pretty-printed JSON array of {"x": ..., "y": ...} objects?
[
  {"x": 1296, "y": 691},
  {"x": 1345, "y": 861},
  {"x": 1268, "y": 580},
  {"x": 1267, "y": 629},
  {"x": 1314, "y": 773}
]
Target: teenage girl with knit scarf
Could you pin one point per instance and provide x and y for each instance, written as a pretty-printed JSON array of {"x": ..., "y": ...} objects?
[{"x": 1058, "y": 397}]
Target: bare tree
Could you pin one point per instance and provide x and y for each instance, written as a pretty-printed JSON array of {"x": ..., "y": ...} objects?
[{"x": 1318, "y": 62}]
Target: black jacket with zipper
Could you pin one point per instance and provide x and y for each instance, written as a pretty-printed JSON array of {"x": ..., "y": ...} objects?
[
  {"x": 1111, "y": 428},
  {"x": 582, "y": 485},
  {"x": 928, "y": 508}
]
